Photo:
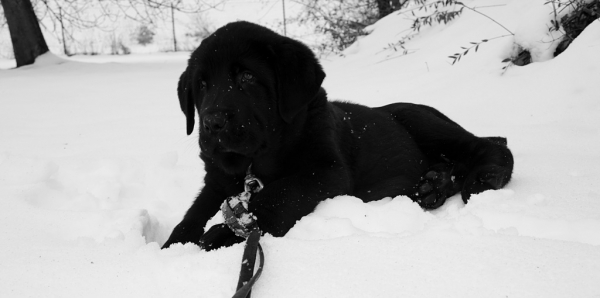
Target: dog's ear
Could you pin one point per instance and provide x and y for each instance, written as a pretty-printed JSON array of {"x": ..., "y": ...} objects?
[
  {"x": 299, "y": 77},
  {"x": 186, "y": 100}
]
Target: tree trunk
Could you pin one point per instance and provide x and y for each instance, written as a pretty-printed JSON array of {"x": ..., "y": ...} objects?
[
  {"x": 173, "y": 23},
  {"x": 384, "y": 7},
  {"x": 25, "y": 33}
]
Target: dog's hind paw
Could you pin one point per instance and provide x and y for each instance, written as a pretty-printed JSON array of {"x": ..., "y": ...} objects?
[
  {"x": 485, "y": 178},
  {"x": 435, "y": 186}
]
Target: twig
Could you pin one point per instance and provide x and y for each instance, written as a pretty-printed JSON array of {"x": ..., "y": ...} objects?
[
  {"x": 456, "y": 57},
  {"x": 460, "y": 3}
]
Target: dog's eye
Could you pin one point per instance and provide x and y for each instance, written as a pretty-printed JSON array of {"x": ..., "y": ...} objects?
[
  {"x": 248, "y": 77},
  {"x": 202, "y": 85}
]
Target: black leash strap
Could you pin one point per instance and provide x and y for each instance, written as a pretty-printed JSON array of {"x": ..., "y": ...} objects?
[{"x": 247, "y": 275}]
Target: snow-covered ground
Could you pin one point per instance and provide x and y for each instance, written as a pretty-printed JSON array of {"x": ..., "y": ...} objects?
[{"x": 96, "y": 169}]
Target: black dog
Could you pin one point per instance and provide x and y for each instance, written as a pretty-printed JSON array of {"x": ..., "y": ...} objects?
[{"x": 261, "y": 105}]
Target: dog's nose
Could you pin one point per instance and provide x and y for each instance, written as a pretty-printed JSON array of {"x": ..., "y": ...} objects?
[{"x": 214, "y": 122}]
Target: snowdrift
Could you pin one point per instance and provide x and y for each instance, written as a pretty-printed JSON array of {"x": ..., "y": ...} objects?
[{"x": 96, "y": 169}]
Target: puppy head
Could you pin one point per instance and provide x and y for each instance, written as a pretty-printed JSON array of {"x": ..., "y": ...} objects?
[
  {"x": 299, "y": 76},
  {"x": 247, "y": 83}
]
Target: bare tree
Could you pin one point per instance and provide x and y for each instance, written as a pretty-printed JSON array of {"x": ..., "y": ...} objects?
[
  {"x": 150, "y": 11},
  {"x": 64, "y": 17},
  {"x": 25, "y": 33},
  {"x": 67, "y": 16}
]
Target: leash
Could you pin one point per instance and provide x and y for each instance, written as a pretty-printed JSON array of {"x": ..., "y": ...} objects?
[
  {"x": 243, "y": 224},
  {"x": 247, "y": 280}
]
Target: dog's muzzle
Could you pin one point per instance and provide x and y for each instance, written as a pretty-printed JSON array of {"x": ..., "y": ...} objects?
[{"x": 214, "y": 123}]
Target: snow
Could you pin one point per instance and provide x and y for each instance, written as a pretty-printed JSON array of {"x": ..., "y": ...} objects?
[{"x": 96, "y": 169}]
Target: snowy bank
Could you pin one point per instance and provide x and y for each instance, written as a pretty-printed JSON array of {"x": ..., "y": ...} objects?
[{"x": 96, "y": 169}]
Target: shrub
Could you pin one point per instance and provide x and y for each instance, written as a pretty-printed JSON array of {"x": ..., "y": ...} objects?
[
  {"x": 341, "y": 21},
  {"x": 572, "y": 24},
  {"x": 143, "y": 35}
]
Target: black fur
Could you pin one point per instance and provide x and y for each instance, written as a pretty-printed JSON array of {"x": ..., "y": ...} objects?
[{"x": 260, "y": 102}]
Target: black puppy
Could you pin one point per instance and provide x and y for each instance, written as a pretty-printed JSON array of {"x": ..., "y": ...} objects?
[{"x": 261, "y": 105}]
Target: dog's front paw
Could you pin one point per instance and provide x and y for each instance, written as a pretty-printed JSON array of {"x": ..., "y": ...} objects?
[
  {"x": 436, "y": 186},
  {"x": 218, "y": 236},
  {"x": 184, "y": 232}
]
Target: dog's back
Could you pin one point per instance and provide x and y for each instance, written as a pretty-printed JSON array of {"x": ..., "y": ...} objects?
[{"x": 385, "y": 158}]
